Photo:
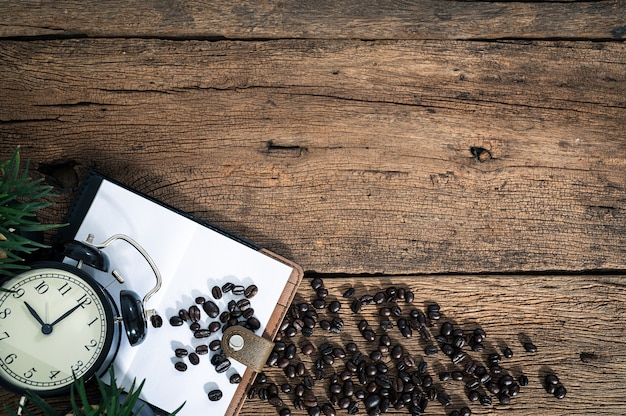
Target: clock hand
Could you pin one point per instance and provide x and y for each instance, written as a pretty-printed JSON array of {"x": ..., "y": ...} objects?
[
  {"x": 66, "y": 314},
  {"x": 45, "y": 328}
]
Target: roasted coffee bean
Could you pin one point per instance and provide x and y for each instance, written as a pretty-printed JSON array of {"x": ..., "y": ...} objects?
[
  {"x": 231, "y": 305},
  {"x": 409, "y": 297},
  {"x": 224, "y": 317},
  {"x": 444, "y": 398},
  {"x": 458, "y": 356},
  {"x": 194, "y": 358},
  {"x": 456, "y": 375},
  {"x": 214, "y": 326},
  {"x": 202, "y": 349},
  {"x": 484, "y": 400},
  {"x": 349, "y": 292},
  {"x": 334, "y": 306},
  {"x": 444, "y": 376},
  {"x": 473, "y": 395},
  {"x": 386, "y": 325},
  {"x": 396, "y": 311},
  {"x": 216, "y": 292},
  {"x": 215, "y": 395},
  {"x": 194, "y": 313},
  {"x": 222, "y": 366},
  {"x": 353, "y": 408},
  {"x": 251, "y": 291},
  {"x": 202, "y": 333},
  {"x": 560, "y": 392},
  {"x": 371, "y": 400},
  {"x": 506, "y": 380},
  {"x": 366, "y": 299},
  {"x": 211, "y": 309},
  {"x": 176, "y": 321},
  {"x": 325, "y": 325},
  {"x": 316, "y": 283},
  {"x": 180, "y": 366},
  {"x": 156, "y": 321},
  {"x": 472, "y": 384},
  {"x": 227, "y": 287},
  {"x": 514, "y": 389},
  {"x": 355, "y": 306},
  {"x": 238, "y": 290},
  {"x": 492, "y": 387},
  {"x": 504, "y": 398},
  {"x": 194, "y": 326},
  {"x": 465, "y": 411},
  {"x": 215, "y": 345},
  {"x": 523, "y": 380},
  {"x": 183, "y": 314},
  {"x": 530, "y": 347},
  {"x": 369, "y": 335},
  {"x": 507, "y": 352},
  {"x": 243, "y": 304},
  {"x": 445, "y": 329},
  {"x": 180, "y": 352},
  {"x": 551, "y": 379},
  {"x": 253, "y": 323},
  {"x": 290, "y": 371},
  {"x": 275, "y": 401},
  {"x": 495, "y": 370},
  {"x": 431, "y": 350},
  {"x": 319, "y": 303},
  {"x": 308, "y": 349},
  {"x": 200, "y": 300}
]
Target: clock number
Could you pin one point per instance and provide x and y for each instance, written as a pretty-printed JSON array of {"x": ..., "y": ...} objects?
[
  {"x": 4, "y": 335},
  {"x": 77, "y": 366},
  {"x": 18, "y": 293},
  {"x": 92, "y": 344},
  {"x": 84, "y": 300},
  {"x": 10, "y": 358},
  {"x": 30, "y": 373},
  {"x": 93, "y": 322},
  {"x": 6, "y": 312},
  {"x": 64, "y": 289},
  {"x": 42, "y": 287},
  {"x": 54, "y": 374}
]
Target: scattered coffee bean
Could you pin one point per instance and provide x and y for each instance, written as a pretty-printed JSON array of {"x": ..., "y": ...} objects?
[
  {"x": 227, "y": 287},
  {"x": 156, "y": 321},
  {"x": 560, "y": 392},
  {"x": 215, "y": 395},
  {"x": 194, "y": 313},
  {"x": 251, "y": 291},
  {"x": 194, "y": 358},
  {"x": 316, "y": 283},
  {"x": 530, "y": 347},
  {"x": 238, "y": 290},
  {"x": 334, "y": 306},
  {"x": 202, "y": 349},
  {"x": 349, "y": 293},
  {"x": 176, "y": 321},
  {"x": 180, "y": 366},
  {"x": 211, "y": 309}
]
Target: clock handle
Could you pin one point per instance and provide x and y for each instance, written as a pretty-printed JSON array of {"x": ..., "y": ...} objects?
[
  {"x": 145, "y": 255},
  {"x": 134, "y": 312}
]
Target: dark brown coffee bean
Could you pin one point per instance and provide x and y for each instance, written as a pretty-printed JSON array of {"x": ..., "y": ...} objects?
[
  {"x": 234, "y": 378},
  {"x": 156, "y": 321},
  {"x": 560, "y": 392},
  {"x": 530, "y": 347},
  {"x": 215, "y": 345},
  {"x": 194, "y": 326},
  {"x": 211, "y": 309},
  {"x": 176, "y": 321},
  {"x": 316, "y": 283},
  {"x": 194, "y": 313},
  {"x": 409, "y": 297},
  {"x": 215, "y": 395},
  {"x": 227, "y": 287},
  {"x": 251, "y": 291},
  {"x": 307, "y": 349},
  {"x": 431, "y": 350},
  {"x": 334, "y": 306},
  {"x": 194, "y": 358},
  {"x": 202, "y": 349},
  {"x": 202, "y": 333},
  {"x": 319, "y": 303},
  {"x": 238, "y": 290},
  {"x": 216, "y": 292},
  {"x": 243, "y": 304},
  {"x": 290, "y": 351},
  {"x": 349, "y": 293},
  {"x": 180, "y": 352},
  {"x": 253, "y": 323},
  {"x": 355, "y": 306},
  {"x": 180, "y": 366},
  {"x": 214, "y": 326},
  {"x": 523, "y": 380},
  {"x": 183, "y": 314},
  {"x": 222, "y": 366},
  {"x": 224, "y": 317}
]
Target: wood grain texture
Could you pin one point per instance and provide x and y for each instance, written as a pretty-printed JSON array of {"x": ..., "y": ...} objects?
[
  {"x": 371, "y": 19},
  {"x": 576, "y": 322},
  {"x": 348, "y": 156}
]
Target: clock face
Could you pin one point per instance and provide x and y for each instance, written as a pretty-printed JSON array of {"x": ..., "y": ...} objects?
[{"x": 54, "y": 326}]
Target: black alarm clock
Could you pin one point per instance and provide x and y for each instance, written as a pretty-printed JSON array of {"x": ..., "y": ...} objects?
[{"x": 57, "y": 323}]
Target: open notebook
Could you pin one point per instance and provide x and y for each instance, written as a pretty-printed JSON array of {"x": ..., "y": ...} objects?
[{"x": 192, "y": 257}]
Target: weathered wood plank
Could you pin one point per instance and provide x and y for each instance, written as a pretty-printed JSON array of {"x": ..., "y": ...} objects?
[
  {"x": 576, "y": 322},
  {"x": 424, "y": 19},
  {"x": 352, "y": 157}
]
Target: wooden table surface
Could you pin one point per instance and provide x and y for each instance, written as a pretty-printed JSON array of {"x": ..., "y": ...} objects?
[{"x": 472, "y": 152}]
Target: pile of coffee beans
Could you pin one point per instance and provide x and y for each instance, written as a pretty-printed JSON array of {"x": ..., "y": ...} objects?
[
  {"x": 382, "y": 372},
  {"x": 238, "y": 311}
]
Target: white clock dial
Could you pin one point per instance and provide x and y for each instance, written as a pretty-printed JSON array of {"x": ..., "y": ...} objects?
[{"x": 53, "y": 327}]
